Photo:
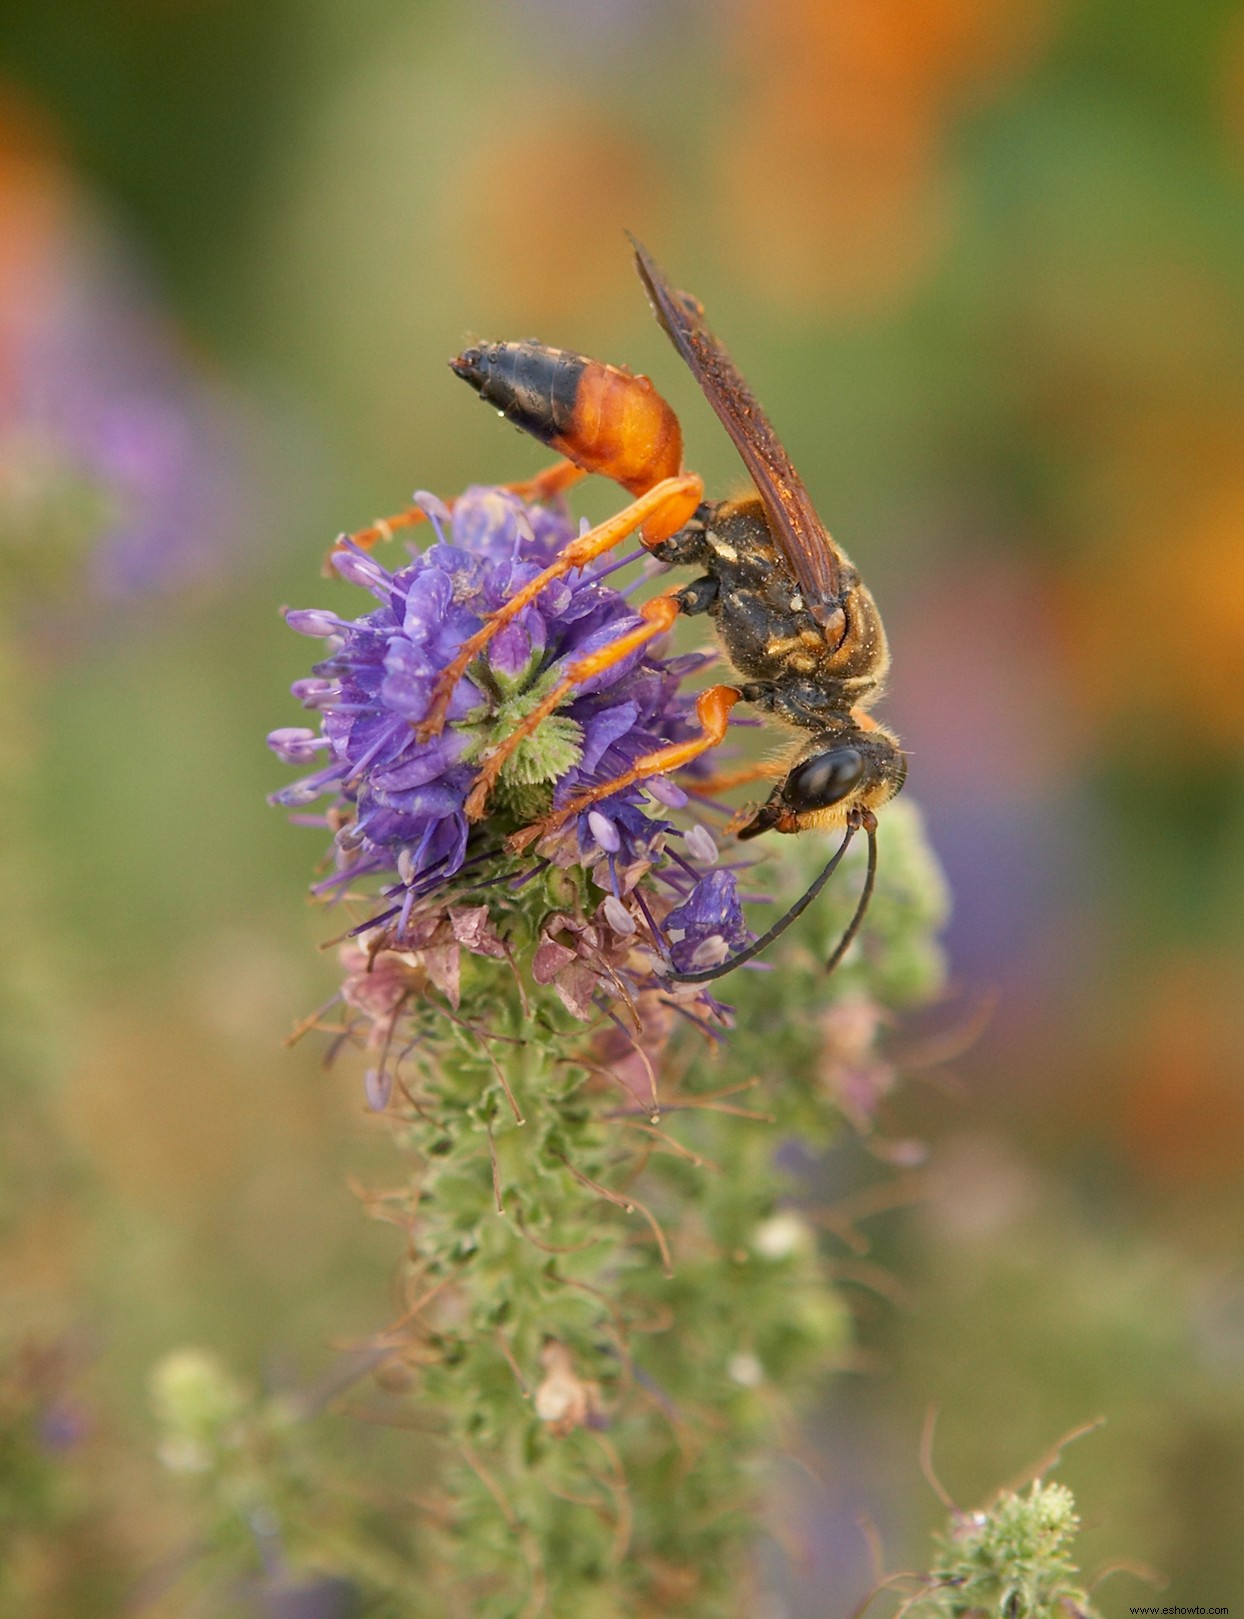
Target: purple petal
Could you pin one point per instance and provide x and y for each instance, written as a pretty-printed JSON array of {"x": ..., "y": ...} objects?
[
  {"x": 603, "y": 729},
  {"x": 422, "y": 764},
  {"x": 512, "y": 648}
]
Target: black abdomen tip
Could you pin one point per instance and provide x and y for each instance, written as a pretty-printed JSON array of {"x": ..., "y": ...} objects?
[
  {"x": 471, "y": 366},
  {"x": 534, "y": 386}
]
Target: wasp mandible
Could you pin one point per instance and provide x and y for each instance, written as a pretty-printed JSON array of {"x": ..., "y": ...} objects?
[{"x": 791, "y": 613}]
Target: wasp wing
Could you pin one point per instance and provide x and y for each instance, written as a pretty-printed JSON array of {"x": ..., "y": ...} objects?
[{"x": 792, "y": 517}]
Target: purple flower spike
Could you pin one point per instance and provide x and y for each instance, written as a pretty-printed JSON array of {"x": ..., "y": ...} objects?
[{"x": 397, "y": 804}]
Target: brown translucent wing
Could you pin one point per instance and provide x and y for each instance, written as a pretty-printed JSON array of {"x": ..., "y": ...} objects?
[{"x": 797, "y": 528}]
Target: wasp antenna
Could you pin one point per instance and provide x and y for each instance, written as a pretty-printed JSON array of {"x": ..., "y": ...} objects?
[
  {"x": 707, "y": 974},
  {"x": 866, "y": 893}
]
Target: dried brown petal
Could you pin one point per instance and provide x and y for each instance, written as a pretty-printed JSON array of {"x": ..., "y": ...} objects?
[
  {"x": 444, "y": 964},
  {"x": 564, "y": 1400},
  {"x": 576, "y": 987},
  {"x": 473, "y": 928},
  {"x": 549, "y": 959}
]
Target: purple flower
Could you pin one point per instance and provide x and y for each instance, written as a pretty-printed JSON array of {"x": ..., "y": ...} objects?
[
  {"x": 441, "y": 883},
  {"x": 113, "y": 444},
  {"x": 406, "y": 798},
  {"x": 708, "y": 926}
]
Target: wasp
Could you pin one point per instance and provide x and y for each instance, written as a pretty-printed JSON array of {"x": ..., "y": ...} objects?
[{"x": 792, "y": 616}]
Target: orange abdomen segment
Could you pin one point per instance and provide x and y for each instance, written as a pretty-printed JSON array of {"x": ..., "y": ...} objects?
[
  {"x": 622, "y": 428},
  {"x": 602, "y": 417}
]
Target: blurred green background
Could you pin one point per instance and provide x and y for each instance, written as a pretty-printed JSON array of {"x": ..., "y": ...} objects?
[{"x": 985, "y": 266}]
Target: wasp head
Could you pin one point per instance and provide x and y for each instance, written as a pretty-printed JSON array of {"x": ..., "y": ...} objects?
[{"x": 839, "y": 771}]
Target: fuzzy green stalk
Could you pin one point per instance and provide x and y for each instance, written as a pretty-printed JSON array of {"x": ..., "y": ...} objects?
[
  {"x": 617, "y": 1305},
  {"x": 1012, "y": 1560}
]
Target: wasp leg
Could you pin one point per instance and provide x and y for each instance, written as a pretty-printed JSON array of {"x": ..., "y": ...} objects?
[
  {"x": 658, "y": 616},
  {"x": 712, "y": 709},
  {"x": 766, "y": 770},
  {"x": 724, "y": 780},
  {"x": 545, "y": 486},
  {"x": 660, "y": 512},
  {"x": 699, "y": 595}
]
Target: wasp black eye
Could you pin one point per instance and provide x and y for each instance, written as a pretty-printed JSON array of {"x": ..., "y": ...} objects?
[{"x": 823, "y": 780}]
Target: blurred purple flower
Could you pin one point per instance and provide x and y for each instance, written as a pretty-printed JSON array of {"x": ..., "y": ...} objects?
[
  {"x": 113, "y": 443},
  {"x": 63, "y": 1424},
  {"x": 318, "y": 1597}
]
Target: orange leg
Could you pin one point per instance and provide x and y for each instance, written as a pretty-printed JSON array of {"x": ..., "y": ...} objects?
[
  {"x": 658, "y": 616},
  {"x": 546, "y": 485},
  {"x": 712, "y": 708},
  {"x": 766, "y": 770},
  {"x": 724, "y": 780},
  {"x": 660, "y": 512}
]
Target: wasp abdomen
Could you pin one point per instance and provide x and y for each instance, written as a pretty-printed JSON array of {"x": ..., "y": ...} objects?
[
  {"x": 602, "y": 417},
  {"x": 535, "y": 387}
]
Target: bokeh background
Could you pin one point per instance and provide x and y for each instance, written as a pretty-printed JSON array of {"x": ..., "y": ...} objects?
[{"x": 985, "y": 266}]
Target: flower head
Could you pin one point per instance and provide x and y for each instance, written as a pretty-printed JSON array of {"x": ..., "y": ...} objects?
[{"x": 655, "y": 897}]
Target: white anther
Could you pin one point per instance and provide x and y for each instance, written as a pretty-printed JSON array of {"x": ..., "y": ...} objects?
[
  {"x": 617, "y": 915},
  {"x": 701, "y": 844}
]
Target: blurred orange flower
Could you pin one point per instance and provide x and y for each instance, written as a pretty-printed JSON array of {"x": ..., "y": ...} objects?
[
  {"x": 1183, "y": 1114},
  {"x": 34, "y": 202},
  {"x": 539, "y": 208},
  {"x": 1157, "y": 607},
  {"x": 833, "y": 158}
]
